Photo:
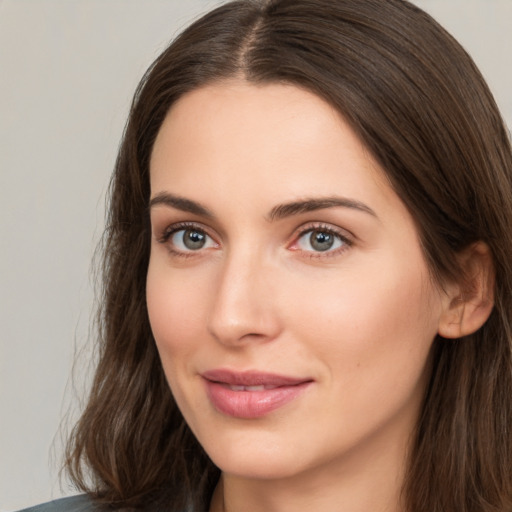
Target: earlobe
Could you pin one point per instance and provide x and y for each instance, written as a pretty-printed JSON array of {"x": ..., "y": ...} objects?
[{"x": 470, "y": 303}]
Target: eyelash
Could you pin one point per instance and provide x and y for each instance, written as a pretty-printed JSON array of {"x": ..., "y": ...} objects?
[
  {"x": 327, "y": 229},
  {"x": 181, "y": 226},
  {"x": 310, "y": 228}
]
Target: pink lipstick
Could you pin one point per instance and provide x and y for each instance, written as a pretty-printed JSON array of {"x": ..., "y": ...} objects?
[{"x": 251, "y": 394}]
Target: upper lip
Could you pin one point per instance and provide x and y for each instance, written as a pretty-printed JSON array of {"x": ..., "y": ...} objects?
[{"x": 251, "y": 378}]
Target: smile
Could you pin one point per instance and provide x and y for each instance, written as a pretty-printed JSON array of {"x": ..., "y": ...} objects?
[{"x": 251, "y": 395}]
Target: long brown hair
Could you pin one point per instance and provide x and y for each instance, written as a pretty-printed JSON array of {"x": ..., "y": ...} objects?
[{"x": 420, "y": 106}]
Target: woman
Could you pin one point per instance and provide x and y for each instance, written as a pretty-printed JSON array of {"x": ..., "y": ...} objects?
[{"x": 307, "y": 277}]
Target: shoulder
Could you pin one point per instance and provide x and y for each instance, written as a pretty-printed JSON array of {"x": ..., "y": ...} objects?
[{"x": 79, "y": 503}]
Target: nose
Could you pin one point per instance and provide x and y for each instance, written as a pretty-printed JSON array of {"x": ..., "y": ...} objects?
[{"x": 244, "y": 308}]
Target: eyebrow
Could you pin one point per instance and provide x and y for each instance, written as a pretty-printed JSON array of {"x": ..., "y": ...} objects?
[
  {"x": 312, "y": 204},
  {"x": 278, "y": 212},
  {"x": 180, "y": 203}
]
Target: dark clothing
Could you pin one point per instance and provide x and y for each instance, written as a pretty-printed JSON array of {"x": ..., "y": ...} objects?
[{"x": 80, "y": 503}]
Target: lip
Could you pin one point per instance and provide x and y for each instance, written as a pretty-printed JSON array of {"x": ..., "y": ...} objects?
[{"x": 251, "y": 394}]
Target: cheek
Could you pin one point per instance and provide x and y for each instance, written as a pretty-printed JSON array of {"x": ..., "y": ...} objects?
[
  {"x": 175, "y": 307},
  {"x": 373, "y": 333},
  {"x": 175, "y": 304},
  {"x": 378, "y": 320}
]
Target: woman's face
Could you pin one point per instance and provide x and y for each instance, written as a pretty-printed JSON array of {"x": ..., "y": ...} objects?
[{"x": 287, "y": 292}]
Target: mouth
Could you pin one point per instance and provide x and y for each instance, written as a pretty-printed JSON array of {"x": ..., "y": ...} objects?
[{"x": 251, "y": 394}]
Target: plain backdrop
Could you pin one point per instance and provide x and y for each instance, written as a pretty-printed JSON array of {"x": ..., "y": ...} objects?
[{"x": 68, "y": 69}]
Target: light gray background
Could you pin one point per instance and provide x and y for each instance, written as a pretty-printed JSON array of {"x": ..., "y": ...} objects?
[{"x": 68, "y": 69}]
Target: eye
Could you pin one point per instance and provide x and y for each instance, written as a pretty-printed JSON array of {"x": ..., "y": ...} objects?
[
  {"x": 320, "y": 240},
  {"x": 190, "y": 239}
]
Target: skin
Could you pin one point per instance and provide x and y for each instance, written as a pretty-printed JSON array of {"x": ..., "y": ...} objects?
[{"x": 358, "y": 319}]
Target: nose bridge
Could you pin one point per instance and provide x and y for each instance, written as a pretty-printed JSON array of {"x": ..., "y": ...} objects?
[{"x": 242, "y": 307}]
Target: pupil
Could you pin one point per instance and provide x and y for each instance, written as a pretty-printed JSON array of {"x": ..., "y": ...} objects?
[
  {"x": 194, "y": 240},
  {"x": 321, "y": 241}
]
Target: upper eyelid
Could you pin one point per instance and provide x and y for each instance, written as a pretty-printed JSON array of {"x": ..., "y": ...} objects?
[
  {"x": 170, "y": 229},
  {"x": 332, "y": 228}
]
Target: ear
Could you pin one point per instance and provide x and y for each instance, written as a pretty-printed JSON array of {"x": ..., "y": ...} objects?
[{"x": 469, "y": 304}]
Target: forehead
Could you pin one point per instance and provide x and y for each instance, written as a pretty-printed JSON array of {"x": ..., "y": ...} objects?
[
  {"x": 266, "y": 116},
  {"x": 261, "y": 141}
]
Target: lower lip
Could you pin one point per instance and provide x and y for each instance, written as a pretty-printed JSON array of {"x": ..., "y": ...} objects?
[{"x": 251, "y": 404}]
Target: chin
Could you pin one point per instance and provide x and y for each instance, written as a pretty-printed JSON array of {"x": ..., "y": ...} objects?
[
  {"x": 254, "y": 455},
  {"x": 256, "y": 467}
]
